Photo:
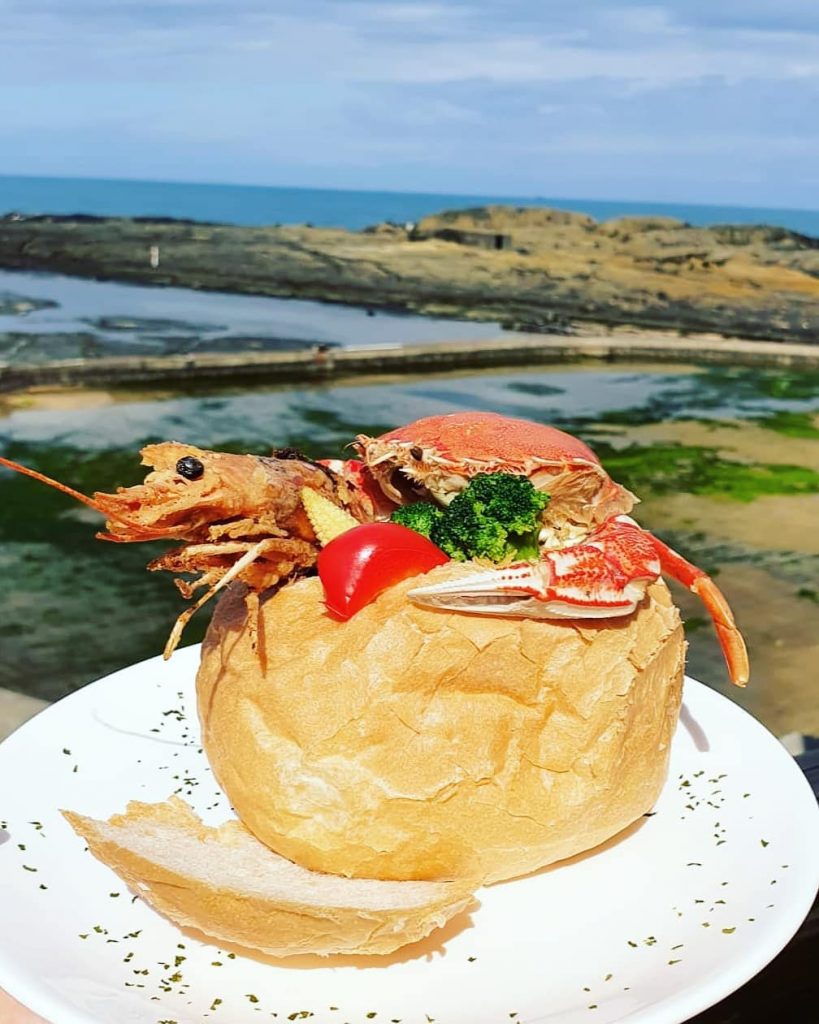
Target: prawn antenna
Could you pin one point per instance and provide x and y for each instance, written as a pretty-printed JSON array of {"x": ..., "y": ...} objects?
[{"x": 77, "y": 495}]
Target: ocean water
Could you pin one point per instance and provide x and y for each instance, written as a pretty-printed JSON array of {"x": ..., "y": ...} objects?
[{"x": 258, "y": 205}]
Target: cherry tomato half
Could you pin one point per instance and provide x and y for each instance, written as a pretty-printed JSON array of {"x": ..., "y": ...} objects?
[{"x": 361, "y": 563}]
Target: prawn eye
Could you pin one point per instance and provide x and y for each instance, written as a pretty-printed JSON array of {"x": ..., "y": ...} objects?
[{"x": 190, "y": 468}]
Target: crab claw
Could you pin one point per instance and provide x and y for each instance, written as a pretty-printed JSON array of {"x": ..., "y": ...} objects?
[
  {"x": 491, "y": 592},
  {"x": 602, "y": 577},
  {"x": 527, "y": 590}
]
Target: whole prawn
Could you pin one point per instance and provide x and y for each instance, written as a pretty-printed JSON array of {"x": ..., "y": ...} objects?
[{"x": 239, "y": 517}]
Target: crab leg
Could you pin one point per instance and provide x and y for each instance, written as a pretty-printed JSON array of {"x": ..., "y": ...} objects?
[{"x": 701, "y": 584}]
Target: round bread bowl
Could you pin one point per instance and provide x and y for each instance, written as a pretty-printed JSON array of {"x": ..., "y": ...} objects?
[{"x": 411, "y": 743}]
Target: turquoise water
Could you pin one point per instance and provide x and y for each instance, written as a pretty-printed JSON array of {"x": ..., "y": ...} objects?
[{"x": 246, "y": 204}]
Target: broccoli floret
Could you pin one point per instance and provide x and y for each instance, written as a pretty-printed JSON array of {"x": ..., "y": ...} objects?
[
  {"x": 496, "y": 516},
  {"x": 511, "y": 500},
  {"x": 462, "y": 535},
  {"x": 420, "y": 517}
]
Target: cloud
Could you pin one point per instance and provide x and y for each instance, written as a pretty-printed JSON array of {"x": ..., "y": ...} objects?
[
  {"x": 650, "y": 44},
  {"x": 543, "y": 97}
]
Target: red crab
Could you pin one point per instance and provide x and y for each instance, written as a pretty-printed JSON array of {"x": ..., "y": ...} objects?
[{"x": 595, "y": 560}]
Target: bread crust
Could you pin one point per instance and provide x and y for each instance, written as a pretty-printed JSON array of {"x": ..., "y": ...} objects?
[
  {"x": 411, "y": 743},
  {"x": 299, "y": 913}
]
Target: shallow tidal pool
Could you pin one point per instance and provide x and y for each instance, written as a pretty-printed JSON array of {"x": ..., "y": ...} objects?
[{"x": 726, "y": 463}]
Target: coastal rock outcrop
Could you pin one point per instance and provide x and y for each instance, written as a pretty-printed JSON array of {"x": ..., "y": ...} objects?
[{"x": 549, "y": 266}]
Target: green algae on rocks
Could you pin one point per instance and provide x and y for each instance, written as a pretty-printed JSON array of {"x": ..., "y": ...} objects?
[
  {"x": 692, "y": 469},
  {"x": 791, "y": 424}
]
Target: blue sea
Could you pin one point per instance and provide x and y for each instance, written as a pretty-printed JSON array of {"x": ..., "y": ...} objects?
[{"x": 259, "y": 205}]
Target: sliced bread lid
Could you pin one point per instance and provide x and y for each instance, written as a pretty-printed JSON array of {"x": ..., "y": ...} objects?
[{"x": 227, "y": 884}]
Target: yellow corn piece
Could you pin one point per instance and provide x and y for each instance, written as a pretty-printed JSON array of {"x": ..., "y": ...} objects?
[{"x": 326, "y": 518}]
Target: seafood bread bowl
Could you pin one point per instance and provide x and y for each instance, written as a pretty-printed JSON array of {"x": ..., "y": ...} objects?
[
  {"x": 413, "y": 743},
  {"x": 446, "y": 663}
]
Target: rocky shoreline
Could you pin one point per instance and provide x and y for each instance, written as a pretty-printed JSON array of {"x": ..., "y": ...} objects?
[{"x": 540, "y": 270}]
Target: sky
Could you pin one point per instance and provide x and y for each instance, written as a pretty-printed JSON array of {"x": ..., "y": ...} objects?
[{"x": 713, "y": 101}]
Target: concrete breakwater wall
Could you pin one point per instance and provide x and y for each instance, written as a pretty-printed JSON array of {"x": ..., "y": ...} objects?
[{"x": 303, "y": 367}]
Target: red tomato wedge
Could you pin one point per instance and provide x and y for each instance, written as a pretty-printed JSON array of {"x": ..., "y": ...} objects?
[{"x": 361, "y": 563}]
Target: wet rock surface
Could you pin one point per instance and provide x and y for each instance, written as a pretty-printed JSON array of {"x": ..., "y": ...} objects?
[
  {"x": 19, "y": 305},
  {"x": 553, "y": 267}
]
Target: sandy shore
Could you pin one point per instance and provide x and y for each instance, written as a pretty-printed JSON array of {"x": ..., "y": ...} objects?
[{"x": 16, "y": 708}]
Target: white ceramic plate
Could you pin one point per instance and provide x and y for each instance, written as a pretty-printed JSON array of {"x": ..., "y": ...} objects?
[{"x": 654, "y": 927}]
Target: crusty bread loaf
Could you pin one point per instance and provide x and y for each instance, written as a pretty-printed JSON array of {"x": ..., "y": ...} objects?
[
  {"x": 231, "y": 887},
  {"x": 410, "y": 743}
]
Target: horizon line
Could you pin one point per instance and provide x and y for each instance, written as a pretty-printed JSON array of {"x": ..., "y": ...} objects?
[{"x": 539, "y": 198}]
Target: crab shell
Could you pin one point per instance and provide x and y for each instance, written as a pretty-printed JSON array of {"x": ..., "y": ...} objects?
[{"x": 437, "y": 456}]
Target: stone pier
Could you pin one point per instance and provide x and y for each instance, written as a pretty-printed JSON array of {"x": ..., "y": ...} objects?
[{"x": 320, "y": 365}]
